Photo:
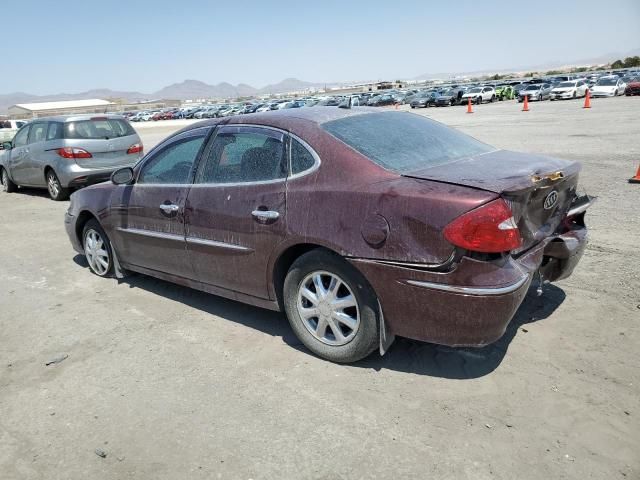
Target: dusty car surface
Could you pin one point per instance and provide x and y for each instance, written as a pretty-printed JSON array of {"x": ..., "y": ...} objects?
[{"x": 359, "y": 224}]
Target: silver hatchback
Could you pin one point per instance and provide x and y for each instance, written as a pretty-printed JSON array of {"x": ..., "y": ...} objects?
[{"x": 67, "y": 152}]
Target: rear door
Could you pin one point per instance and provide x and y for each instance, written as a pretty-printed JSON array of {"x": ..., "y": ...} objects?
[
  {"x": 236, "y": 209},
  {"x": 148, "y": 216}
]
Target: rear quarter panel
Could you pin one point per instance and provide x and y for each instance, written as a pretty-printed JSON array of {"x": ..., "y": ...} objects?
[{"x": 345, "y": 199}]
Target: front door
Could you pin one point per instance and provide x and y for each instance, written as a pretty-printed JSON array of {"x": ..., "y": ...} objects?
[
  {"x": 34, "y": 164},
  {"x": 19, "y": 157},
  {"x": 235, "y": 211},
  {"x": 148, "y": 216}
]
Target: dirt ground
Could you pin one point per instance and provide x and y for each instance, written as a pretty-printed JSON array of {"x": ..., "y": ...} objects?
[{"x": 171, "y": 383}]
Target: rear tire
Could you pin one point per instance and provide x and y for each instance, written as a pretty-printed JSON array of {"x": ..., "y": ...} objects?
[
  {"x": 331, "y": 307},
  {"x": 97, "y": 249},
  {"x": 56, "y": 192},
  {"x": 7, "y": 185}
]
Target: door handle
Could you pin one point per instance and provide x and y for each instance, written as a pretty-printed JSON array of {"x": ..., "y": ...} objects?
[
  {"x": 265, "y": 216},
  {"x": 169, "y": 208}
]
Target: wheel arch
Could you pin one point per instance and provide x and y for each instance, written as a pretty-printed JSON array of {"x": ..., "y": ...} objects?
[
  {"x": 83, "y": 217},
  {"x": 283, "y": 262}
]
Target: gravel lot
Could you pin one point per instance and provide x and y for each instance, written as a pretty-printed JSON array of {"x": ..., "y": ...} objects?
[{"x": 171, "y": 383}]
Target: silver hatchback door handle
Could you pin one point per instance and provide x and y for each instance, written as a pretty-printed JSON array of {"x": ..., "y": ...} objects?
[
  {"x": 265, "y": 216},
  {"x": 171, "y": 208}
]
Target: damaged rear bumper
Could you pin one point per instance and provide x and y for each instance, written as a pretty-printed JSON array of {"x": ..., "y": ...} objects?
[{"x": 472, "y": 304}]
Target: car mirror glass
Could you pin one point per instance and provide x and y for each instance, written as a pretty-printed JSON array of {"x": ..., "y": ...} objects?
[
  {"x": 122, "y": 176},
  {"x": 6, "y": 146}
]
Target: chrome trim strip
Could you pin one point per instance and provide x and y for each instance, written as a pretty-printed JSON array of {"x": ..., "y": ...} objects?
[
  {"x": 151, "y": 233},
  {"x": 214, "y": 243},
  {"x": 472, "y": 290},
  {"x": 580, "y": 208},
  {"x": 182, "y": 238}
]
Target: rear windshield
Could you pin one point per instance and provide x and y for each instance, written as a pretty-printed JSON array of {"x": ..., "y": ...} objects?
[
  {"x": 104, "y": 128},
  {"x": 404, "y": 142}
]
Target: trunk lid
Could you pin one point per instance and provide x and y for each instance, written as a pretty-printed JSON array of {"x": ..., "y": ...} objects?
[{"x": 538, "y": 189}]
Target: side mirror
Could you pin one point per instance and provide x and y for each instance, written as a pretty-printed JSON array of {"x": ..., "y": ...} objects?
[
  {"x": 6, "y": 146},
  {"x": 122, "y": 176}
]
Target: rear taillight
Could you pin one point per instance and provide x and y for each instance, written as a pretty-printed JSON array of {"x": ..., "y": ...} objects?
[
  {"x": 490, "y": 228},
  {"x": 135, "y": 148},
  {"x": 72, "y": 152}
]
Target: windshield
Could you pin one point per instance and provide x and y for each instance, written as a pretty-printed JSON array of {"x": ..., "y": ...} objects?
[
  {"x": 607, "y": 82},
  {"x": 475, "y": 90},
  {"x": 98, "y": 128},
  {"x": 404, "y": 142},
  {"x": 533, "y": 87},
  {"x": 567, "y": 84}
]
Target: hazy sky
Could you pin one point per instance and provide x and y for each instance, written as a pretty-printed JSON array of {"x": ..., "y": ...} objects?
[{"x": 71, "y": 46}]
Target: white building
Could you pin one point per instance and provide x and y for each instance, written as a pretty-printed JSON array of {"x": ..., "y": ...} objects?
[{"x": 47, "y": 109}]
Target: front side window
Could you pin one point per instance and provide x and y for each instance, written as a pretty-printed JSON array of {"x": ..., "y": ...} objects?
[
  {"x": 20, "y": 139},
  {"x": 38, "y": 132},
  {"x": 244, "y": 154},
  {"x": 172, "y": 164}
]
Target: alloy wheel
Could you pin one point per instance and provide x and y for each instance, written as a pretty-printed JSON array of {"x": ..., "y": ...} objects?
[
  {"x": 96, "y": 252},
  {"x": 53, "y": 185},
  {"x": 328, "y": 308},
  {"x": 5, "y": 180}
]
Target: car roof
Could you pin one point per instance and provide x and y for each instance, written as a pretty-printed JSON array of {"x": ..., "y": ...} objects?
[{"x": 317, "y": 115}]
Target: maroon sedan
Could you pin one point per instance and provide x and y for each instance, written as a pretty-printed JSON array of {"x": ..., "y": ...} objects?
[{"x": 359, "y": 224}]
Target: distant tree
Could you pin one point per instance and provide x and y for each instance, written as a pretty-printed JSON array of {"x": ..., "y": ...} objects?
[
  {"x": 529, "y": 74},
  {"x": 632, "y": 62},
  {"x": 600, "y": 69},
  {"x": 579, "y": 69},
  {"x": 617, "y": 64},
  {"x": 553, "y": 72}
]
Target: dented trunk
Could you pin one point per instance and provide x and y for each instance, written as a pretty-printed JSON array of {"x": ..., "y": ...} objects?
[{"x": 538, "y": 189}]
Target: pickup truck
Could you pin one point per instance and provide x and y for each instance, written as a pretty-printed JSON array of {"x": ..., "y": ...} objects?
[{"x": 8, "y": 129}]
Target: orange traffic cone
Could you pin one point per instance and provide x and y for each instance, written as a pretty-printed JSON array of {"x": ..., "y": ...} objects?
[
  {"x": 587, "y": 100},
  {"x": 636, "y": 178},
  {"x": 469, "y": 107},
  {"x": 525, "y": 107}
]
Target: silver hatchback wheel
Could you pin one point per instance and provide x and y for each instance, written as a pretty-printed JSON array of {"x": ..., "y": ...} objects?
[
  {"x": 53, "y": 185},
  {"x": 96, "y": 252},
  {"x": 328, "y": 308}
]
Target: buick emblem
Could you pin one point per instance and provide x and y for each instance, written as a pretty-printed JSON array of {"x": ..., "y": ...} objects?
[{"x": 550, "y": 200}]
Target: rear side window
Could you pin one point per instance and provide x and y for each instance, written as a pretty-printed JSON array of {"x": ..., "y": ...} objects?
[
  {"x": 55, "y": 131},
  {"x": 244, "y": 154},
  {"x": 404, "y": 142},
  {"x": 98, "y": 128},
  {"x": 301, "y": 158}
]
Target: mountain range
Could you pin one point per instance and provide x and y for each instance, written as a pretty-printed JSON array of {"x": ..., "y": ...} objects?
[{"x": 188, "y": 89}]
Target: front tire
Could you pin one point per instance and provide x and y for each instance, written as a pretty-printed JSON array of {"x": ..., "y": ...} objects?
[
  {"x": 331, "y": 307},
  {"x": 97, "y": 249},
  {"x": 7, "y": 185},
  {"x": 54, "y": 187}
]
